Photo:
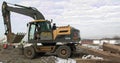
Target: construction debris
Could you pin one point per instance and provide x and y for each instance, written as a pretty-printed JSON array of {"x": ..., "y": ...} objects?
[
  {"x": 93, "y": 61},
  {"x": 112, "y": 48},
  {"x": 104, "y": 54}
]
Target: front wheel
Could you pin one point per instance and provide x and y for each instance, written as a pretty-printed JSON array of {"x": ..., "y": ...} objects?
[
  {"x": 29, "y": 52},
  {"x": 63, "y": 51}
]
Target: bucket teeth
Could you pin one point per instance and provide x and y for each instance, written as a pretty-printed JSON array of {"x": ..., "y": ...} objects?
[{"x": 18, "y": 37}]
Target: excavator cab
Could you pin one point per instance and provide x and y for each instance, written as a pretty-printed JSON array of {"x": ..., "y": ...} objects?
[{"x": 40, "y": 30}]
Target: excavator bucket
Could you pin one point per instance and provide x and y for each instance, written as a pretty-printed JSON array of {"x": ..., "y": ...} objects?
[{"x": 18, "y": 37}]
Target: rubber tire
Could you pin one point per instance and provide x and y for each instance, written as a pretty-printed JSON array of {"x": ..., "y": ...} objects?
[
  {"x": 67, "y": 54},
  {"x": 29, "y": 49}
]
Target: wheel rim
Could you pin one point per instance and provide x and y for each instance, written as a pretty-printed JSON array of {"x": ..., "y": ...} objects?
[
  {"x": 63, "y": 52},
  {"x": 29, "y": 53}
]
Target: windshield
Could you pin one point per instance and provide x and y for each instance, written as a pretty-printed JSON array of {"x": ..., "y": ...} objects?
[
  {"x": 44, "y": 26},
  {"x": 48, "y": 26}
]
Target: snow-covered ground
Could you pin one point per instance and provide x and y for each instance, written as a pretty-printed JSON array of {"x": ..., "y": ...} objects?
[
  {"x": 91, "y": 57},
  {"x": 69, "y": 60}
]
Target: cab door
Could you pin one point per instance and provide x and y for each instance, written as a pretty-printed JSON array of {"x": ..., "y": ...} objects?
[{"x": 31, "y": 34}]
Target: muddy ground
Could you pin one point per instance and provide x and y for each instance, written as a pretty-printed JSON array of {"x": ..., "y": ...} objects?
[{"x": 12, "y": 55}]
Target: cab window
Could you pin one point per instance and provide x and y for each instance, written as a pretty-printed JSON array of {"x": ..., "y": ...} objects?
[
  {"x": 32, "y": 31},
  {"x": 45, "y": 26}
]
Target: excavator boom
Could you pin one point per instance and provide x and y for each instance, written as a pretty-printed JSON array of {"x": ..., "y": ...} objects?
[{"x": 28, "y": 11}]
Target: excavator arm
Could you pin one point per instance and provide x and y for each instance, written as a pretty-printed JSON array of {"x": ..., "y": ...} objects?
[{"x": 28, "y": 11}]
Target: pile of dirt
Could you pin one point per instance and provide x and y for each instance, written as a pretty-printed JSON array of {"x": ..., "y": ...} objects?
[{"x": 12, "y": 55}]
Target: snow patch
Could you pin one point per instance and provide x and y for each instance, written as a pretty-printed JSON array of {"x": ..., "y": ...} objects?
[{"x": 69, "y": 60}]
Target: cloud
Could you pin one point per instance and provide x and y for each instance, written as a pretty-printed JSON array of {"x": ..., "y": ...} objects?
[
  {"x": 84, "y": 15},
  {"x": 49, "y": 8},
  {"x": 94, "y": 18}
]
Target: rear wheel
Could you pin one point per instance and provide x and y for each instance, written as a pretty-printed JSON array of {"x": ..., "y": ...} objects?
[
  {"x": 63, "y": 51},
  {"x": 29, "y": 52}
]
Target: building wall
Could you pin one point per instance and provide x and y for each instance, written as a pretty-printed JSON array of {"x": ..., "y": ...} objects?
[
  {"x": 100, "y": 42},
  {"x": 104, "y": 41}
]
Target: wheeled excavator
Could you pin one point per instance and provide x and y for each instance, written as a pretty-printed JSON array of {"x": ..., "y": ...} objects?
[{"x": 41, "y": 37}]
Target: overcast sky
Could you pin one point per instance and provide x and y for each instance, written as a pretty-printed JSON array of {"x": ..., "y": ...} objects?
[{"x": 94, "y": 18}]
